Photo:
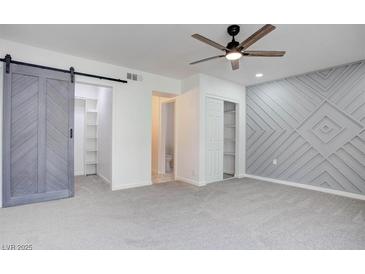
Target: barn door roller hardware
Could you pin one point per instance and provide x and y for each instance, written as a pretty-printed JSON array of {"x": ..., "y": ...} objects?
[
  {"x": 72, "y": 73},
  {"x": 7, "y": 60},
  {"x": 7, "y": 63}
]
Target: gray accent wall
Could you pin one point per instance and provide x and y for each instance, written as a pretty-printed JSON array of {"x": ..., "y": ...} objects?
[{"x": 313, "y": 125}]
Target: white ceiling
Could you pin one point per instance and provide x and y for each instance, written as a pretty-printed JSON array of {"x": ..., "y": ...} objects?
[{"x": 168, "y": 49}]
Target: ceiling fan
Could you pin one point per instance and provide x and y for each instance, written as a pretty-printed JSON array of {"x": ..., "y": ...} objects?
[{"x": 235, "y": 50}]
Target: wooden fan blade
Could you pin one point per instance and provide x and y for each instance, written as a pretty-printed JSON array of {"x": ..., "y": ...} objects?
[
  {"x": 206, "y": 59},
  {"x": 209, "y": 42},
  {"x": 256, "y": 36},
  {"x": 235, "y": 64},
  {"x": 263, "y": 53}
]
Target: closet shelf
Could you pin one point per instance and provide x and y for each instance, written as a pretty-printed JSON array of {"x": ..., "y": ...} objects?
[
  {"x": 229, "y": 111},
  {"x": 91, "y": 150},
  {"x": 92, "y": 111},
  {"x": 91, "y": 163},
  {"x": 92, "y": 137},
  {"x": 229, "y": 153},
  {"x": 232, "y": 126},
  {"x": 92, "y": 124}
]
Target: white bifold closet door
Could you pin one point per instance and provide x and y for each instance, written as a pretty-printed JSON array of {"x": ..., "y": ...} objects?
[{"x": 214, "y": 140}]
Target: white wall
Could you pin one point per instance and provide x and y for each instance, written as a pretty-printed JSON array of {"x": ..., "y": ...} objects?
[
  {"x": 131, "y": 119},
  {"x": 104, "y": 153},
  {"x": 86, "y": 91},
  {"x": 187, "y": 132}
]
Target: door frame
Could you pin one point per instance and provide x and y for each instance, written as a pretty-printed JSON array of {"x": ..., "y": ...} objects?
[{"x": 83, "y": 100}]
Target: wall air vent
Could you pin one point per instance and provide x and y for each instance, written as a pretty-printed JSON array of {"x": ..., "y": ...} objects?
[{"x": 134, "y": 77}]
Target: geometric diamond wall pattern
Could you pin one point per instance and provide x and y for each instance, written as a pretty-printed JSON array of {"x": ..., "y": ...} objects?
[
  {"x": 313, "y": 124},
  {"x": 328, "y": 128}
]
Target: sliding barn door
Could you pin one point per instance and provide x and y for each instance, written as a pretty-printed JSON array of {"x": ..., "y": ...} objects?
[
  {"x": 214, "y": 140},
  {"x": 38, "y": 143}
]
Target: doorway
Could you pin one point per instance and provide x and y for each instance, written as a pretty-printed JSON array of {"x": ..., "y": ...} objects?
[
  {"x": 93, "y": 132},
  {"x": 163, "y": 138},
  {"x": 229, "y": 132}
]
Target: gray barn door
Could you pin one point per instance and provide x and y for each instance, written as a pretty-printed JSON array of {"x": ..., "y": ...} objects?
[{"x": 37, "y": 145}]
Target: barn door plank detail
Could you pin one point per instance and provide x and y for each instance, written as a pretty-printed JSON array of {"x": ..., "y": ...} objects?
[{"x": 37, "y": 148}]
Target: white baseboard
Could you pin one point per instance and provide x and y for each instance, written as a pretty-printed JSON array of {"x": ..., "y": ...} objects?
[
  {"x": 126, "y": 186},
  {"x": 104, "y": 178},
  {"x": 190, "y": 181},
  {"x": 316, "y": 188}
]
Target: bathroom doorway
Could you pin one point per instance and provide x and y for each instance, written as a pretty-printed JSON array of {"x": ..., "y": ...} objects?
[{"x": 163, "y": 138}]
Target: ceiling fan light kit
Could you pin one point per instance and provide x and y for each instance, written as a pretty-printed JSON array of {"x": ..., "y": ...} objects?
[
  {"x": 234, "y": 50},
  {"x": 233, "y": 55}
]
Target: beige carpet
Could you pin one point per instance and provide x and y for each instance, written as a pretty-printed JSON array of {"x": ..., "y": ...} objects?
[{"x": 234, "y": 214}]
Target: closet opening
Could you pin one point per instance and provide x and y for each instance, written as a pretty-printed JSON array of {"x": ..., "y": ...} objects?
[
  {"x": 92, "y": 135},
  {"x": 229, "y": 132},
  {"x": 163, "y": 138}
]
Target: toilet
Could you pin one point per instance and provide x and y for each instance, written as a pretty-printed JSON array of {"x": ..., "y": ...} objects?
[{"x": 169, "y": 163}]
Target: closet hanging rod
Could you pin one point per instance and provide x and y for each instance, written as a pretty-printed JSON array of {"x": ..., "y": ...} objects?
[{"x": 7, "y": 60}]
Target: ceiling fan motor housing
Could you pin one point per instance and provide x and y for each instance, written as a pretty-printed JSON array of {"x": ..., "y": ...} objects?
[{"x": 232, "y": 45}]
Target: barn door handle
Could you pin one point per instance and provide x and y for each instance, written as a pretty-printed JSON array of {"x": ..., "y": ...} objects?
[{"x": 71, "y": 133}]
